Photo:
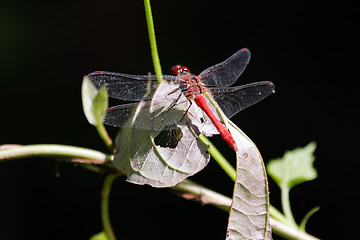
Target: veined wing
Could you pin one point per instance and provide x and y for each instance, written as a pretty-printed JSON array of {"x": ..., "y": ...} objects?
[
  {"x": 121, "y": 116},
  {"x": 159, "y": 114},
  {"x": 234, "y": 99},
  {"x": 127, "y": 87},
  {"x": 165, "y": 110},
  {"x": 227, "y": 72},
  {"x": 116, "y": 116}
]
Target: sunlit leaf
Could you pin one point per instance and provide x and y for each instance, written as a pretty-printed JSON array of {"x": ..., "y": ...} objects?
[
  {"x": 94, "y": 102},
  {"x": 249, "y": 213},
  {"x": 142, "y": 160},
  {"x": 295, "y": 167}
]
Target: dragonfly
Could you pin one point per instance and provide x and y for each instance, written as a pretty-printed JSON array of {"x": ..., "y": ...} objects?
[{"x": 214, "y": 82}]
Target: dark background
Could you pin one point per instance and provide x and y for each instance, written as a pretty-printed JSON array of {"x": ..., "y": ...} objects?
[{"x": 307, "y": 48}]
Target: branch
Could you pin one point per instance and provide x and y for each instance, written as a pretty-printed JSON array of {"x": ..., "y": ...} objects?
[
  {"x": 105, "y": 206},
  {"x": 83, "y": 155}
]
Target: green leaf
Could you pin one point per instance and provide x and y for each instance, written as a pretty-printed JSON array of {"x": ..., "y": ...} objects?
[
  {"x": 100, "y": 104},
  {"x": 295, "y": 167},
  {"x": 99, "y": 236},
  {"x": 94, "y": 102}
]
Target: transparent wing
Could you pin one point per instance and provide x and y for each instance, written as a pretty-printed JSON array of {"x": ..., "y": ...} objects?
[
  {"x": 166, "y": 110},
  {"x": 116, "y": 116},
  {"x": 127, "y": 87},
  {"x": 122, "y": 116},
  {"x": 227, "y": 72},
  {"x": 234, "y": 99}
]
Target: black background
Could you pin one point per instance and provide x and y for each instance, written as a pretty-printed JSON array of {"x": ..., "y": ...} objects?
[{"x": 307, "y": 48}]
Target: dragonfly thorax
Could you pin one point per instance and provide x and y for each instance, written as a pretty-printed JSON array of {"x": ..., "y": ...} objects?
[{"x": 191, "y": 85}]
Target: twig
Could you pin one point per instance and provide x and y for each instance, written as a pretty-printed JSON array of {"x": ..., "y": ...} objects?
[
  {"x": 152, "y": 39},
  {"x": 105, "y": 206},
  {"x": 53, "y": 150}
]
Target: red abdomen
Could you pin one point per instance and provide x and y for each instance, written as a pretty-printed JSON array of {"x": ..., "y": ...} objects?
[{"x": 226, "y": 135}]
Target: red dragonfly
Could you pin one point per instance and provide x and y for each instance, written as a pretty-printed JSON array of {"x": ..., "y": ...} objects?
[{"x": 213, "y": 81}]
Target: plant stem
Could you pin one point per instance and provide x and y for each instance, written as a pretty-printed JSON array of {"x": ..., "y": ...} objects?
[
  {"x": 105, "y": 137},
  {"x": 206, "y": 195},
  {"x": 105, "y": 206},
  {"x": 53, "y": 150},
  {"x": 307, "y": 216},
  {"x": 219, "y": 158},
  {"x": 152, "y": 39},
  {"x": 278, "y": 216},
  {"x": 285, "y": 202}
]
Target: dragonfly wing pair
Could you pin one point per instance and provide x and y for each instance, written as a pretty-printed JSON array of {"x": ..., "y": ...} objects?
[{"x": 130, "y": 87}]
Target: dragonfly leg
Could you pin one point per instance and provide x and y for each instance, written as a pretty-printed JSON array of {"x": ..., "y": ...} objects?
[
  {"x": 175, "y": 90},
  {"x": 186, "y": 111},
  {"x": 174, "y": 102}
]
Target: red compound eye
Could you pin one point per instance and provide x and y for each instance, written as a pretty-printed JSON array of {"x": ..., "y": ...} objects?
[{"x": 178, "y": 69}]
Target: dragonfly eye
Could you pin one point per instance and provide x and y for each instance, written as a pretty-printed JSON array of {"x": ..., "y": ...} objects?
[{"x": 179, "y": 69}]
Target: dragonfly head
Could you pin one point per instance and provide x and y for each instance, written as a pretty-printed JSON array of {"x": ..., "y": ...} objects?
[{"x": 179, "y": 69}]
